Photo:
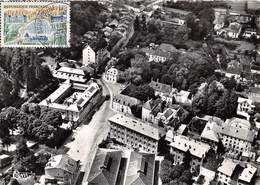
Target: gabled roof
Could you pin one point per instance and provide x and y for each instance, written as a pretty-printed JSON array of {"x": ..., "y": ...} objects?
[
  {"x": 227, "y": 167},
  {"x": 167, "y": 47},
  {"x": 63, "y": 162},
  {"x": 209, "y": 133},
  {"x": 248, "y": 173},
  {"x": 136, "y": 125},
  {"x": 235, "y": 27},
  {"x": 240, "y": 100},
  {"x": 126, "y": 100},
  {"x": 196, "y": 148},
  {"x": 105, "y": 167},
  {"x": 71, "y": 70},
  {"x": 236, "y": 128},
  {"x": 164, "y": 88},
  {"x": 140, "y": 169},
  {"x": 112, "y": 71},
  {"x": 152, "y": 104}
]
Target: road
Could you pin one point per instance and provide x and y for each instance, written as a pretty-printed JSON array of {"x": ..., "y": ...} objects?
[{"x": 87, "y": 137}]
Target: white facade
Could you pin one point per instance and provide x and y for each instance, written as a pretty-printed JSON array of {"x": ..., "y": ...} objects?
[
  {"x": 89, "y": 56},
  {"x": 244, "y": 107},
  {"x": 236, "y": 135},
  {"x": 248, "y": 34},
  {"x": 75, "y": 107},
  {"x": 181, "y": 144},
  {"x": 156, "y": 58},
  {"x": 111, "y": 75},
  {"x": 147, "y": 115},
  {"x": 183, "y": 97},
  {"x": 134, "y": 133},
  {"x": 123, "y": 103},
  {"x": 225, "y": 171},
  {"x": 62, "y": 168}
]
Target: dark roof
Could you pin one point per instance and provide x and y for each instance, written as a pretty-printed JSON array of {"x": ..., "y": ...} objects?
[
  {"x": 151, "y": 104},
  {"x": 105, "y": 167},
  {"x": 126, "y": 100},
  {"x": 140, "y": 169},
  {"x": 167, "y": 48},
  {"x": 164, "y": 88},
  {"x": 168, "y": 113}
]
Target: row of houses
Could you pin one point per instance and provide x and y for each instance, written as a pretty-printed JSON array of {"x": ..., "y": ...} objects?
[{"x": 235, "y": 134}]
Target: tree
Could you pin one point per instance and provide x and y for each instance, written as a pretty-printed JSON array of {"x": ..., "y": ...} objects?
[
  {"x": 142, "y": 92},
  {"x": 226, "y": 105},
  {"x": 44, "y": 132},
  {"x": 187, "y": 159},
  {"x": 10, "y": 115},
  {"x": 136, "y": 111},
  {"x": 21, "y": 150},
  {"x": 166, "y": 166},
  {"x": 6, "y": 87},
  {"x": 4, "y": 131},
  {"x": 166, "y": 79},
  {"x": 182, "y": 33},
  {"x": 199, "y": 103},
  {"x": 137, "y": 23},
  {"x": 220, "y": 148},
  {"x": 51, "y": 117}
]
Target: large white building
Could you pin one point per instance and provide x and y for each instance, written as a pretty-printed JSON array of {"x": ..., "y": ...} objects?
[
  {"x": 123, "y": 103},
  {"x": 226, "y": 171},
  {"x": 111, "y": 75},
  {"x": 74, "y": 100},
  {"x": 169, "y": 94},
  {"x": 244, "y": 107},
  {"x": 247, "y": 175},
  {"x": 135, "y": 134},
  {"x": 64, "y": 73},
  {"x": 236, "y": 134},
  {"x": 160, "y": 53},
  {"x": 180, "y": 145},
  {"x": 63, "y": 169},
  {"x": 88, "y": 56}
]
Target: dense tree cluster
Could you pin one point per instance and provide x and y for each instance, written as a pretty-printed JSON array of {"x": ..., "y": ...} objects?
[
  {"x": 153, "y": 31},
  {"x": 141, "y": 92},
  {"x": 198, "y": 25},
  {"x": 175, "y": 175},
  {"x": 26, "y": 161},
  {"x": 214, "y": 99},
  {"x": 41, "y": 125},
  {"x": 183, "y": 71},
  {"x": 20, "y": 69}
]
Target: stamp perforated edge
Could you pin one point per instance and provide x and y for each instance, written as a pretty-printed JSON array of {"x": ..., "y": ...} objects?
[{"x": 68, "y": 24}]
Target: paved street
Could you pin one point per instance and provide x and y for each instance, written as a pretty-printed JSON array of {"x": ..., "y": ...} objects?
[{"x": 87, "y": 137}]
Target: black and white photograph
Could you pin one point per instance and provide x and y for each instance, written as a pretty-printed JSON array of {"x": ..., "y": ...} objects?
[{"x": 130, "y": 92}]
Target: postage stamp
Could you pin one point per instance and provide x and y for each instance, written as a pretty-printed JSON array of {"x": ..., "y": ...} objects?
[{"x": 35, "y": 24}]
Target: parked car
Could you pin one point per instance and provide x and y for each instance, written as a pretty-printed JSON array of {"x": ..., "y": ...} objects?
[{"x": 107, "y": 97}]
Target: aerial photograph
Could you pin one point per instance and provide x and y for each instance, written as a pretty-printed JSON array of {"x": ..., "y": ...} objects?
[{"x": 130, "y": 92}]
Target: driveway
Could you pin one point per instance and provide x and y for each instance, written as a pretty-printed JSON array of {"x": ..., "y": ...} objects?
[{"x": 88, "y": 136}]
